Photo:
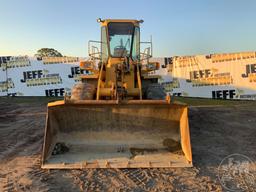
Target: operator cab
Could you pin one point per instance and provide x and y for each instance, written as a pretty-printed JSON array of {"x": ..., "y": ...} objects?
[{"x": 120, "y": 39}]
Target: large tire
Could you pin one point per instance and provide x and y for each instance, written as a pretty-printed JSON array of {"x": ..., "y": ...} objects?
[
  {"x": 83, "y": 91},
  {"x": 155, "y": 91}
]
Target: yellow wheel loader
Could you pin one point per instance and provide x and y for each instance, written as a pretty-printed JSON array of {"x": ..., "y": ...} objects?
[{"x": 118, "y": 116}]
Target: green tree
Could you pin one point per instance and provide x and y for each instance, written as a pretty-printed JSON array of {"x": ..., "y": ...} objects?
[{"x": 48, "y": 52}]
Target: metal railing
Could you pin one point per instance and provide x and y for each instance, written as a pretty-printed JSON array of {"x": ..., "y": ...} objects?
[
  {"x": 94, "y": 50},
  {"x": 148, "y": 51}
]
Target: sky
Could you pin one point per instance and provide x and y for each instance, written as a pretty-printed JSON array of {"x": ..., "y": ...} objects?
[{"x": 181, "y": 27}]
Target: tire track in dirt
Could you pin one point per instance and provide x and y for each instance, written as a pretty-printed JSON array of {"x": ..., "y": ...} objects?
[
  {"x": 149, "y": 179},
  {"x": 6, "y": 185},
  {"x": 18, "y": 141},
  {"x": 101, "y": 180},
  {"x": 21, "y": 143},
  {"x": 41, "y": 177},
  {"x": 27, "y": 175},
  {"x": 139, "y": 178}
]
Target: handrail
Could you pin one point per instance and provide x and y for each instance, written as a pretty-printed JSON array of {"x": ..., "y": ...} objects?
[{"x": 93, "y": 51}]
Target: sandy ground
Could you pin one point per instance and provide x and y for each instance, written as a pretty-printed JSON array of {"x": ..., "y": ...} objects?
[{"x": 215, "y": 133}]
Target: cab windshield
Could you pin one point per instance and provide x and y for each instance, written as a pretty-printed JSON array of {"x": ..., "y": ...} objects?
[{"x": 120, "y": 39}]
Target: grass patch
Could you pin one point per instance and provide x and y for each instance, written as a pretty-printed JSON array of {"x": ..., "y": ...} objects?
[
  {"x": 188, "y": 100},
  {"x": 30, "y": 99},
  {"x": 214, "y": 102}
]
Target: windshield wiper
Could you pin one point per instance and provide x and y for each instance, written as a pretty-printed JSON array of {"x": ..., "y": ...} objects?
[{"x": 128, "y": 41}]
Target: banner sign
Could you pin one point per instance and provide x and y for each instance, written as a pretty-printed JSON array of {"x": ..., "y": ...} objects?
[
  {"x": 217, "y": 76},
  {"x": 22, "y": 76}
]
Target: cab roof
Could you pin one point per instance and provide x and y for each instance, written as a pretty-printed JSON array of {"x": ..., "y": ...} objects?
[{"x": 105, "y": 22}]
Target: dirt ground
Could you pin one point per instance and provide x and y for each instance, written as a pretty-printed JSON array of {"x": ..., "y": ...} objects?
[{"x": 216, "y": 131}]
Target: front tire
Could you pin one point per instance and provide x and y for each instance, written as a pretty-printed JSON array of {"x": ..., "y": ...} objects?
[
  {"x": 155, "y": 91},
  {"x": 83, "y": 91}
]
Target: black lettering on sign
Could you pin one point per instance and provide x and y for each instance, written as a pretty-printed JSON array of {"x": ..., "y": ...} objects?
[
  {"x": 4, "y": 59},
  {"x": 167, "y": 61},
  {"x": 200, "y": 74},
  {"x": 11, "y": 94},
  {"x": 223, "y": 94},
  {"x": 31, "y": 75},
  {"x": 249, "y": 69},
  {"x": 76, "y": 71},
  {"x": 176, "y": 94},
  {"x": 54, "y": 92}
]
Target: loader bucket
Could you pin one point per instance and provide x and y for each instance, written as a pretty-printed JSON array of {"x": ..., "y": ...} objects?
[{"x": 106, "y": 134}]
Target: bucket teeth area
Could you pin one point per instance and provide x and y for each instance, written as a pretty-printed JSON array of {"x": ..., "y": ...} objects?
[{"x": 117, "y": 136}]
